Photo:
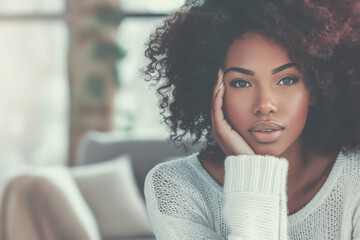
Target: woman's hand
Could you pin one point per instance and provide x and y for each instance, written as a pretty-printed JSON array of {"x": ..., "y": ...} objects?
[{"x": 227, "y": 138}]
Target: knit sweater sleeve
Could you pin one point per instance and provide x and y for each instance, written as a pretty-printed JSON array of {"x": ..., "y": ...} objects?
[
  {"x": 255, "y": 197},
  {"x": 255, "y": 201},
  {"x": 356, "y": 220},
  {"x": 175, "y": 209}
]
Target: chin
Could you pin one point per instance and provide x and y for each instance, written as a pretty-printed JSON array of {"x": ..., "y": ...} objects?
[{"x": 267, "y": 150}]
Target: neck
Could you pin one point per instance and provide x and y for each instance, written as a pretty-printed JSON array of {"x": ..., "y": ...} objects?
[
  {"x": 306, "y": 165},
  {"x": 298, "y": 161}
]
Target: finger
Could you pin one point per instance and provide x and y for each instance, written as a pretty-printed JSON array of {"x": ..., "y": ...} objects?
[
  {"x": 216, "y": 108},
  {"x": 217, "y": 84},
  {"x": 215, "y": 90},
  {"x": 218, "y": 113}
]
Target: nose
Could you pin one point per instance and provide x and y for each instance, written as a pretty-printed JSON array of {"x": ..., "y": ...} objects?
[{"x": 265, "y": 103}]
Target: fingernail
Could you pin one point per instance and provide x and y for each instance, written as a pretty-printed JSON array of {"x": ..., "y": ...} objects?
[
  {"x": 221, "y": 85},
  {"x": 219, "y": 72}
]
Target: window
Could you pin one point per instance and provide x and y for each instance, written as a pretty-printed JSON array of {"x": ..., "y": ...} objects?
[
  {"x": 33, "y": 82},
  {"x": 136, "y": 108},
  {"x": 34, "y": 106}
]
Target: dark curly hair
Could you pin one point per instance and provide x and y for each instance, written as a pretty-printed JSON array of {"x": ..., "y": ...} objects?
[{"x": 188, "y": 49}]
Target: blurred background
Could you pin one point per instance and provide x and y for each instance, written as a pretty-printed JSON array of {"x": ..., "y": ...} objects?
[
  {"x": 79, "y": 126},
  {"x": 69, "y": 66}
]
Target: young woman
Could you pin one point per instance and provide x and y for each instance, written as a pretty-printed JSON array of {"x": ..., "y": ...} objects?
[{"x": 280, "y": 119}]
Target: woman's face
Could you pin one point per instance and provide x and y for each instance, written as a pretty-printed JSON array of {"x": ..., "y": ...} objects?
[{"x": 263, "y": 85}]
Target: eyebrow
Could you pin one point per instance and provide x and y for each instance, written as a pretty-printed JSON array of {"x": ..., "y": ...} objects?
[
  {"x": 283, "y": 67},
  {"x": 252, "y": 73}
]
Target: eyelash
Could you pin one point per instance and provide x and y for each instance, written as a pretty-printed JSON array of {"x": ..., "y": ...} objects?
[{"x": 235, "y": 81}]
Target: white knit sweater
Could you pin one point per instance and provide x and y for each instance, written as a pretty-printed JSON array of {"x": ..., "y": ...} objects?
[{"x": 184, "y": 202}]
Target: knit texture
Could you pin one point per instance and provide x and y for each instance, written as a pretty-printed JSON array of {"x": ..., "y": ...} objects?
[{"x": 184, "y": 202}]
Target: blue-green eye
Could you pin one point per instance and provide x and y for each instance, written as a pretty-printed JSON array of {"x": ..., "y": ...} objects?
[
  {"x": 240, "y": 83},
  {"x": 289, "y": 80}
]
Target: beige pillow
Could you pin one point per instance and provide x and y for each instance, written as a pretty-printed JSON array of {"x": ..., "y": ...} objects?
[
  {"x": 111, "y": 192},
  {"x": 44, "y": 202}
]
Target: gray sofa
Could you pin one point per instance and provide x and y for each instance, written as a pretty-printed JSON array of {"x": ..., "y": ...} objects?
[
  {"x": 97, "y": 147},
  {"x": 52, "y": 202}
]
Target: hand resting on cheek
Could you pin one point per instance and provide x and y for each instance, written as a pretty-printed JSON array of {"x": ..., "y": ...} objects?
[{"x": 227, "y": 138}]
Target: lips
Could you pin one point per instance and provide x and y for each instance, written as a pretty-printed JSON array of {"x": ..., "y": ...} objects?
[
  {"x": 273, "y": 133},
  {"x": 266, "y": 126}
]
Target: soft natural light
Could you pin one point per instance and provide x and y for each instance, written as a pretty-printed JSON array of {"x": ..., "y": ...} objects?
[
  {"x": 33, "y": 91},
  {"x": 136, "y": 106},
  {"x": 162, "y": 5},
  {"x": 136, "y": 111},
  {"x": 150, "y": 5},
  {"x": 31, "y": 6},
  {"x": 34, "y": 94}
]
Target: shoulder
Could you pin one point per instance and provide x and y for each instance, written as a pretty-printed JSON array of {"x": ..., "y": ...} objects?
[
  {"x": 170, "y": 187},
  {"x": 350, "y": 181},
  {"x": 351, "y": 163},
  {"x": 176, "y": 172},
  {"x": 351, "y": 170}
]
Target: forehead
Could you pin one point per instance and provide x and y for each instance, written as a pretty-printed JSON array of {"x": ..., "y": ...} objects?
[{"x": 254, "y": 50}]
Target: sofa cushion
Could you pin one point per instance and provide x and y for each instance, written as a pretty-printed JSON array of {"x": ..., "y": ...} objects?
[
  {"x": 145, "y": 152},
  {"x": 45, "y": 203},
  {"x": 111, "y": 192}
]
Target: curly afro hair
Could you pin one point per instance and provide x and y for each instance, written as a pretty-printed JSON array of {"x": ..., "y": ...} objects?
[{"x": 188, "y": 49}]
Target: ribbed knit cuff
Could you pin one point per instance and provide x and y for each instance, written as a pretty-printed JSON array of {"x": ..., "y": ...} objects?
[{"x": 255, "y": 173}]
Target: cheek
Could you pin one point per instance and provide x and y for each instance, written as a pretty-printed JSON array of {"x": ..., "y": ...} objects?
[
  {"x": 295, "y": 111},
  {"x": 236, "y": 110}
]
